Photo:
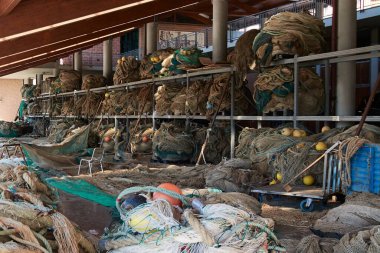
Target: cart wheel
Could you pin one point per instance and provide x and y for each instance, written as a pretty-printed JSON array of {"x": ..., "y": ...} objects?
[
  {"x": 305, "y": 207},
  {"x": 260, "y": 197}
]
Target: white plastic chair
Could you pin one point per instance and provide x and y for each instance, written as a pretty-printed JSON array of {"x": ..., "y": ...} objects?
[{"x": 96, "y": 158}]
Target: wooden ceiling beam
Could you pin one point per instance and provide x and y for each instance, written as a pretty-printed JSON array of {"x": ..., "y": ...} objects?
[
  {"x": 243, "y": 6},
  {"x": 197, "y": 17},
  {"x": 6, "y": 6},
  {"x": 79, "y": 29}
]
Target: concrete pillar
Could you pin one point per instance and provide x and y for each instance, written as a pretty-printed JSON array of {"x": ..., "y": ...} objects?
[
  {"x": 319, "y": 8},
  {"x": 78, "y": 61},
  {"x": 107, "y": 59},
  {"x": 56, "y": 68},
  {"x": 142, "y": 42},
  {"x": 374, "y": 69},
  {"x": 346, "y": 71},
  {"x": 219, "y": 30},
  {"x": 151, "y": 37},
  {"x": 39, "y": 79}
]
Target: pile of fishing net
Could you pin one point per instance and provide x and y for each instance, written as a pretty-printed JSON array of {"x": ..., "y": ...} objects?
[
  {"x": 235, "y": 175},
  {"x": 93, "y": 81},
  {"x": 155, "y": 225},
  {"x": 197, "y": 96},
  {"x": 28, "y": 221},
  {"x": 54, "y": 106},
  {"x": 68, "y": 80},
  {"x": 114, "y": 103},
  {"x": 181, "y": 60},
  {"x": 34, "y": 107},
  {"x": 172, "y": 143},
  {"x": 46, "y": 84},
  {"x": 218, "y": 144},
  {"x": 288, "y": 33},
  {"x": 164, "y": 97},
  {"x": 219, "y": 95},
  {"x": 59, "y": 130},
  {"x": 68, "y": 106},
  {"x": 359, "y": 210},
  {"x": 366, "y": 240},
  {"x": 29, "y": 91},
  {"x": 141, "y": 138},
  {"x": 152, "y": 63},
  {"x": 10, "y": 129},
  {"x": 88, "y": 105},
  {"x": 127, "y": 70},
  {"x": 274, "y": 89},
  {"x": 368, "y": 132}
]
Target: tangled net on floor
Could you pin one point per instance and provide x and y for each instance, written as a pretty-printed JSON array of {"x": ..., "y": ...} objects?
[
  {"x": 288, "y": 33},
  {"x": 164, "y": 97},
  {"x": 93, "y": 81},
  {"x": 273, "y": 90},
  {"x": 172, "y": 143},
  {"x": 68, "y": 80},
  {"x": 127, "y": 70},
  {"x": 88, "y": 105}
]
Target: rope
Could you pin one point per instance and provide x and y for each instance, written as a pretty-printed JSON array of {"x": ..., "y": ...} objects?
[
  {"x": 199, "y": 228},
  {"x": 346, "y": 151},
  {"x": 15, "y": 238}
]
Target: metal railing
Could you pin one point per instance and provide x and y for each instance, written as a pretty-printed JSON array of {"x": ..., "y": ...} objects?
[{"x": 203, "y": 38}]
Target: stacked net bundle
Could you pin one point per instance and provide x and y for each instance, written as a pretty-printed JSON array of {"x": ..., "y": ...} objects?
[
  {"x": 235, "y": 175},
  {"x": 273, "y": 90},
  {"x": 88, "y": 105},
  {"x": 10, "y": 129},
  {"x": 114, "y": 103},
  {"x": 164, "y": 97},
  {"x": 197, "y": 96},
  {"x": 368, "y": 132},
  {"x": 178, "y": 107},
  {"x": 144, "y": 99},
  {"x": 93, "y": 81},
  {"x": 315, "y": 244},
  {"x": 220, "y": 87},
  {"x": 55, "y": 107},
  {"x": 141, "y": 139},
  {"x": 58, "y": 131},
  {"x": 218, "y": 144},
  {"x": 68, "y": 80},
  {"x": 153, "y": 63},
  {"x": 29, "y": 91},
  {"x": 159, "y": 227},
  {"x": 47, "y": 84},
  {"x": 34, "y": 108},
  {"x": 67, "y": 106},
  {"x": 27, "y": 219},
  {"x": 172, "y": 143},
  {"x": 127, "y": 70},
  {"x": 288, "y": 33}
]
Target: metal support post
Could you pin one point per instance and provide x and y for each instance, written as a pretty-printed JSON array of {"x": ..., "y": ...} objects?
[
  {"x": 232, "y": 122},
  {"x": 295, "y": 108}
]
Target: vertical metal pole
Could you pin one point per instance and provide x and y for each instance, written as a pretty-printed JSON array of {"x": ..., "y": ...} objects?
[
  {"x": 153, "y": 105},
  {"x": 295, "y": 109},
  {"x": 232, "y": 123},
  {"x": 196, "y": 39},
  {"x": 327, "y": 88},
  {"x": 187, "y": 123}
]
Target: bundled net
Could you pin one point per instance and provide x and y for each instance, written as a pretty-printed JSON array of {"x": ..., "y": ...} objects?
[
  {"x": 368, "y": 132},
  {"x": 178, "y": 107},
  {"x": 93, "y": 81},
  {"x": 235, "y": 175},
  {"x": 273, "y": 90},
  {"x": 144, "y": 99},
  {"x": 114, "y": 103},
  {"x": 141, "y": 140},
  {"x": 197, "y": 96},
  {"x": 172, "y": 143},
  {"x": 60, "y": 130},
  {"x": 153, "y": 63},
  {"x": 172, "y": 231},
  {"x": 68, "y": 106},
  {"x": 46, "y": 85},
  {"x": 88, "y": 105},
  {"x": 10, "y": 129},
  {"x": 216, "y": 99},
  {"x": 288, "y": 33},
  {"x": 68, "y": 80},
  {"x": 34, "y": 108},
  {"x": 315, "y": 244},
  {"x": 127, "y": 70},
  {"x": 29, "y": 91},
  {"x": 55, "y": 106},
  {"x": 164, "y": 97},
  {"x": 218, "y": 144}
]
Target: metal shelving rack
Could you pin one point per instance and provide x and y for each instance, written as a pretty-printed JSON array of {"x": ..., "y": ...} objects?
[{"x": 319, "y": 59}]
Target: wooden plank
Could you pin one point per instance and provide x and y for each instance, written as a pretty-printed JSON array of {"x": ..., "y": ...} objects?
[{"x": 6, "y": 6}]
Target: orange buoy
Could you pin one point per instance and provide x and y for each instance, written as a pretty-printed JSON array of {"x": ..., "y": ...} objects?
[
  {"x": 169, "y": 187},
  {"x": 145, "y": 138},
  {"x": 107, "y": 139}
]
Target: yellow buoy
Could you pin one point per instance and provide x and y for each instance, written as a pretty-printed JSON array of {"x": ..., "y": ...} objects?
[
  {"x": 297, "y": 133},
  {"x": 287, "y": 131},
  {"x": 300, "y": 145},
  {"x": 325, "y": 129},
  {"x": 303, "y": 133},
  {"x": 273, "y": 182},
  {"x": 308, "y": 180},
  {"x": 143, "y": 221},
  {"x": 321, "y": 146},
  {"x": 279, "y": 176}
]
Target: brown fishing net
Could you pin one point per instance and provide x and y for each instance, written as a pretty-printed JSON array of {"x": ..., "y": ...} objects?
[
  {"x": 127, "y": 70},
  {"x": 88, "y": 105},
  {"x": 141, "y": 140},
  {"x": 47, "y": 84},
  {"x": 288, "y": 33},
  {"x": 68, "y": 106},
  {"x": 197, "y": 96},
  {"x": 164, "y": 97},
  {"x": 68, "y": 80},
  {"x": 178, "y": 107},
  {"x": 216, "y": 99},
  {"x": 93, "y": 81}
]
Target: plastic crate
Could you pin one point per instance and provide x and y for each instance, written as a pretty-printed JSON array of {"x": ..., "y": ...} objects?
[{"x": 365, "y": 169}]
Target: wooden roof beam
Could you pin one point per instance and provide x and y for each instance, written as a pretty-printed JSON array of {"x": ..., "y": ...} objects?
[
  {"x": 196, "y": 17},
  {"x": 243, "y": 6},
  {"x": 6, "y": 6}
]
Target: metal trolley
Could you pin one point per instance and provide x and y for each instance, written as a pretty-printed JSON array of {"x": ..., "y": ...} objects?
[{"x": 333, "y": 172}]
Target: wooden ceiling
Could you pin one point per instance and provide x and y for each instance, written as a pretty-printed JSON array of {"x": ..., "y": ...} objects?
[{"x": 34, "y": 32}]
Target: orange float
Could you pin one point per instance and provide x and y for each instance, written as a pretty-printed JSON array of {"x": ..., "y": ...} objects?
[
  {"x": 169, "y": 187},
  {"x": 145, "y": 138},
  {"x": 107, "y": 139}
]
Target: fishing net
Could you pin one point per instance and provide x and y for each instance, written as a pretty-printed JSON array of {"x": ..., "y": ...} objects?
[
  {"x": 368, "y": 132},
  {"x": 288, "y": 33},
  {"x": 216, "y": 99},
  {"x": 29, "y": 91},
  {"x": 315, "y": 244},
  {"x": 172, "y": 143},
  {"x": 10, "y": 129},
  {"x": 178, "y": 106},
  {"x": 218, "y": 144},
  {"x": 164, "y": 97},
  {"x": 55, "y": 106},
  {"x": 235, "y": 175},
  {"x": 59, "y": 130},
  {"x": 68, "y": 106},
  {"x": 127, "y": 70},
  {"x": 244, "y": 56},
  {"x": 273, "y": 90},
  {"x": 360, "y": 210},
  {"x": 68, "y": 80},
  {"x": 366, "y": 241},
  {"x": 93, "y": 81},
  {"x": 47, "y": 84},
  {"x": 152, "y": 63},
  {"x": 88, "y": 105},
  {"x": 34, "y": 108},
  {"x": 141, "y": 141},
  {"x": 197, "y": 96}
]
